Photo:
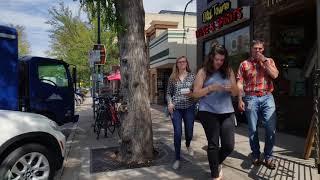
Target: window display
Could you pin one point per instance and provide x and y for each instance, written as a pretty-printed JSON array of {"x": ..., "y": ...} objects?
[
  {"x": 237, "y": 43},
  {"x": 208, "y": 44}
]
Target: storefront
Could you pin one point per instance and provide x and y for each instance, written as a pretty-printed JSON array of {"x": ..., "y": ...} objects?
[
  {"x": 227, "y": 23},
  {"x": 289, "y": 29}
]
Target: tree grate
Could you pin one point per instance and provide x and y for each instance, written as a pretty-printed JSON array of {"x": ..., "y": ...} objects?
[{"x": 101, "y": 160}]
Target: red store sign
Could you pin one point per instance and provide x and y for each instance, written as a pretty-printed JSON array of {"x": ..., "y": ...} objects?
[{"x": 221, "y": 21}]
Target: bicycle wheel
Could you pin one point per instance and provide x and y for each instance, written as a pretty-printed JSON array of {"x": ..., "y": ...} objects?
[
  {"x": 119, "y": 127},
  {"x": 100, "y": 123},
  {"x": 95, "y": 122},
  {"x": 110, "y": 126}
]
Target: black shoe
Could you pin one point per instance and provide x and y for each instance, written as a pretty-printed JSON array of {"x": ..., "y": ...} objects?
[{"x": 256, "y": 162}]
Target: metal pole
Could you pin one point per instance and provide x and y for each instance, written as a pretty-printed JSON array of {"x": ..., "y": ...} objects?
[
  {"x": 98, "y": 13},
  {"x": 183, "y": 23},
  {"x": 93, "y": 91},
  {"x": 98, "y": 42}
]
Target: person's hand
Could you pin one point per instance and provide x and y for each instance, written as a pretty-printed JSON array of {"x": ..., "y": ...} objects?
[
  {"x": 241, "y": 105},
  {"x": 261, "y": 57},
  {"x": 215, "y": 87},
  {"x": 227, "y": 87},
  {"x": 189, "y": 94},
  {"x": 171, "y": 108}
]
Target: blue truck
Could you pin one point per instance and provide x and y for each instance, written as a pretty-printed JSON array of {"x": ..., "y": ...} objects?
[{"x": 35, "y": 84}]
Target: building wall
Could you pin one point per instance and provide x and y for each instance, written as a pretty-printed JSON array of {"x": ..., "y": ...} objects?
[
  {"x": 228, "y": 28},
  {"x": 165, "y": 47},
  {"x": 263, "y": 10},
  {"x": 234, "y": 34},
  {"x": 190, "y": 21},
  {"x": 292, "y": 89}
]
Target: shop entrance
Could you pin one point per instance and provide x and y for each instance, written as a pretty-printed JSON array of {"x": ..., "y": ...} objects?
[
  {"x": 293, "y": 36},
  {"x": 162, "y": 83}
]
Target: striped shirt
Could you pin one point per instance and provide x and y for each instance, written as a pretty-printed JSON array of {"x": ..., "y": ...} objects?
[
  {"x": 255, "y": 79},
  {"x": 174, "y": 95}
]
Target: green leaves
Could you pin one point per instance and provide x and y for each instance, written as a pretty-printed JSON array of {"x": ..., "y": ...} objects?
[
  {"x": 23, "y": 44},
  {"x": 71, "y": 40}
]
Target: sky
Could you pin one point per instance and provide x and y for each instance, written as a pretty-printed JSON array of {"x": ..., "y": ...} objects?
[{"x": 32, "y": 14}]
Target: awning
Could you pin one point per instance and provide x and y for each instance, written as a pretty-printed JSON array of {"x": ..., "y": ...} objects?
[{"x": 114, "y": 76}]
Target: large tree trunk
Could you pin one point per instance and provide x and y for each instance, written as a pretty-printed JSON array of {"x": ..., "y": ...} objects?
[{"x": 137, "y": 137}]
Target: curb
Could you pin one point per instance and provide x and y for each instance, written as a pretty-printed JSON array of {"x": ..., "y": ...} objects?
[{"x": 69, "y": 140}]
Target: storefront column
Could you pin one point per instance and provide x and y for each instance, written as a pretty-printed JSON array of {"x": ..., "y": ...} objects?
[{"x": 318, "y": 66}]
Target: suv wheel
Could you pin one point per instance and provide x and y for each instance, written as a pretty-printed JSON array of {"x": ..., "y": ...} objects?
[{"x": 30, "y": 161}]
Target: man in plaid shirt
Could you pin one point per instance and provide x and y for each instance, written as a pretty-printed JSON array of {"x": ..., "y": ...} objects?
[{"x": 255, "y": 77}]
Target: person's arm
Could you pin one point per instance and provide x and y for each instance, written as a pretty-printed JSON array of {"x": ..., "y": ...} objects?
[
  {"x": 270, "y": 68},
  {"x": 170, "y": 90},
  {"x": 241, "y": 105},
  {"x": 199, "y": 90},
  {"x": 234, "y": 88}
]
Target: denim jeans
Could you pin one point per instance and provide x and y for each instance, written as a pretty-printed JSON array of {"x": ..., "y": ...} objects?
[
  {"x": 188, "y": 118},
  {"x": 261, "y": 108}
]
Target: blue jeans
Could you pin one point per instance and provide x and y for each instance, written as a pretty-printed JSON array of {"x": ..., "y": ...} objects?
[
  {"x": 188, "y": 118},
  {"x": 261, "y": 108}
]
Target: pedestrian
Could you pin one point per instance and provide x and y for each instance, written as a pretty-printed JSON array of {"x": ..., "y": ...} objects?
[
  {"x": 181, "y": 106},
  {"x": 255, "y": 76},
  {"x": 215, "y": 84}
]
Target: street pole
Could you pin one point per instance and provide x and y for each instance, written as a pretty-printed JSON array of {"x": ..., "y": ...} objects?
[
  {"x": 98, "y": 42},
  {"x": 183, "y": 23},
  {"x": 98, "y": 13},
  {"x": 95, "y": 82}
]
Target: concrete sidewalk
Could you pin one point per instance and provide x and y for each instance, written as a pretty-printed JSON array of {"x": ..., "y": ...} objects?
[{"x": 288, "y": 152}]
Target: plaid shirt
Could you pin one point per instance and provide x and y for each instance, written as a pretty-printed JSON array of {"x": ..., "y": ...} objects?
[
  {"x": 174, "y": 95},
  {"x": 254, "y": 79}
]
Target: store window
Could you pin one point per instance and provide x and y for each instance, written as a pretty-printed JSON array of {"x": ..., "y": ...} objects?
[
  {"x": 237, "y": 43},
  {"x": 238, "y": 46},
  {"x": 210, "y": 43},
  {"x": 292, "y": 56}
]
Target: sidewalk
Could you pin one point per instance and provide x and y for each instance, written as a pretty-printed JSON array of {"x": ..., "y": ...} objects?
[{"x": 288, "y": 151}]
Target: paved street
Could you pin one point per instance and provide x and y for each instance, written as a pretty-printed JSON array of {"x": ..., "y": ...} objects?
[{"x": 81, "y": 140}]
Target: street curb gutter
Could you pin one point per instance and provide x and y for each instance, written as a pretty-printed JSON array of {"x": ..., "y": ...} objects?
[{"x": 69, "y": 140}]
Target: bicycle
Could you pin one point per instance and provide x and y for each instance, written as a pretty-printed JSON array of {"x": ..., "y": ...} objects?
[{"x": 107, "y": 116}]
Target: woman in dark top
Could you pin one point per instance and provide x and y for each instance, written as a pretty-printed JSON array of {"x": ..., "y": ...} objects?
[
  {"x": 181, "y": 106},
  {"x": 215, "y": 84}
]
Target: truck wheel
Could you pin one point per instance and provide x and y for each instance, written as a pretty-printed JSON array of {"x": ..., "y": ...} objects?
[{"x": 30, "y": 161}]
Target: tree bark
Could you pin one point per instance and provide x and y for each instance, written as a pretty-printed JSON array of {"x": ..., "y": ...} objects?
[{"x": 137, "y": 136}]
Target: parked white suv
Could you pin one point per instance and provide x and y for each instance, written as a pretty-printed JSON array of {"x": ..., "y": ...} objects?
[{"x": 31, "y": 146}]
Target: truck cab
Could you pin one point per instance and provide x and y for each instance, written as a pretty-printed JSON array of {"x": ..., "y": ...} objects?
[
  {"x": 46, "y": 87},
  {"x": 35, "y": 84}
]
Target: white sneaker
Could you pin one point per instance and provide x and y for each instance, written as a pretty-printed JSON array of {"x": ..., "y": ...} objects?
[
  {"x": 176, "y": 164},
  {"x": 220, "y": 171},
  {"x": 190, "y": 151}
]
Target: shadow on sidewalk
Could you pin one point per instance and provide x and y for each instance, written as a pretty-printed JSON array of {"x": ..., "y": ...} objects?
[{"x": 285, "y": 168}]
